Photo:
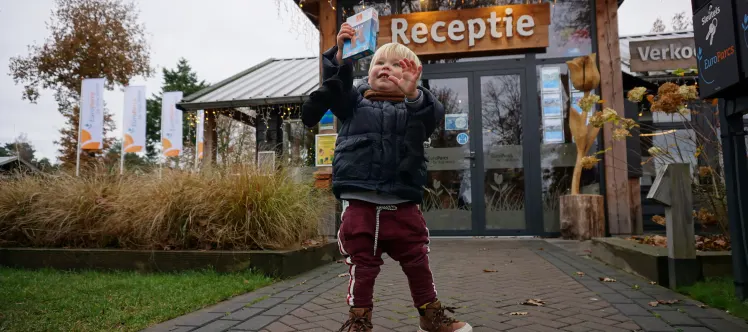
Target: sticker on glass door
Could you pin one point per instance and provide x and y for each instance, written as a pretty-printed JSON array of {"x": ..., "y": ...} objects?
[
  {"x": 455, "y": 122},
  {"x": 463, "y": 138}
]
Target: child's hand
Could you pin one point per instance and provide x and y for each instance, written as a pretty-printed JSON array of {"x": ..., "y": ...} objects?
[
  {"x": 409, "y": 82},
  {"x": 346, "y": 32}
]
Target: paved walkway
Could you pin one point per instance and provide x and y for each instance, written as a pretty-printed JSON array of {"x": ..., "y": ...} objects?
[{"x": 527, "y": 269}]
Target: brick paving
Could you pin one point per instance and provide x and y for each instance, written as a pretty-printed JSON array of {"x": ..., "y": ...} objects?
[{"x": 526, "y": 269}]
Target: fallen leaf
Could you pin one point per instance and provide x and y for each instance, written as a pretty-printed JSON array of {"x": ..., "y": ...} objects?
[
  {"x": 518, "y": 313},
  {"x": 636, "y": 287},
  {"x": 343, "y": 275},
  {"x": 653, "y": 283},
  {"x": 581, "y": 274},
  {"x": 489, "y": 271},
  {"x": 541, "y": 249},
  {"x": 703, "y": 306},
  {"x": 587, "y": 250},
  {"x": 606, "y": 279},
  {"x": 668, "y": 301},
  {"x": 653, "y": 303},
  {"x": 535, "y": 302}
]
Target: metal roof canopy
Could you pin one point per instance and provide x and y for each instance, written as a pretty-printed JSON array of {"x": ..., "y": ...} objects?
[{"x": 271, "y": 82}]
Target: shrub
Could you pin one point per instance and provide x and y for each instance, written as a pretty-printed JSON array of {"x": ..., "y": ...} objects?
[{"x": 214, "y": 209}]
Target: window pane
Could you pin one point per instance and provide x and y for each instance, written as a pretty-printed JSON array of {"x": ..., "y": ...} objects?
[
  {"x": 571, "y": 29},
  {"x": 673, "y": 146},
  {"x": 504, "y": 181},
  {"x": 558, "y": 153},
  {"x": 447, "y": 203}
]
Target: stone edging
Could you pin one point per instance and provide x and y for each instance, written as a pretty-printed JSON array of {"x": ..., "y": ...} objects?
[{"x": 277, "y": 263}]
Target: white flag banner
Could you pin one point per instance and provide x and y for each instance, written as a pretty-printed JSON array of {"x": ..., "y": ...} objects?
[
  {"x": 91, "y": 131},
  {"x": 134, "y": 119},
  {"x": 200, "y": 141},
  {"x": 171, "y": 124}
]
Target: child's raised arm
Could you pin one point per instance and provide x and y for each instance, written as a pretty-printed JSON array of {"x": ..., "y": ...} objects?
[{"x": 336, "y": 92}]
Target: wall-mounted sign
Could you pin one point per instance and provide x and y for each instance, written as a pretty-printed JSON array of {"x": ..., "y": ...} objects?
[
  {"x": 714, "y": 33},
  {"x": 662, "y": 54},
  {"x": 469, "y": 30},
  {"x": 326, "y": 123},
  {"x": 741, "y": 16},
  {"x": 324, "y": 148}
]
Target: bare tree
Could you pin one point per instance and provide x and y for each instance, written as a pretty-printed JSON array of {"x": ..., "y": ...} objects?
[
  {"x": 502, "y": 110},
  {"x": 681, "y": 22},
  {"x": 658, "y": 26}
]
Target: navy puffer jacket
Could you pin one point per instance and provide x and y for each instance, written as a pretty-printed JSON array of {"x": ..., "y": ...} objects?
[{"x": 380, "y": 143}]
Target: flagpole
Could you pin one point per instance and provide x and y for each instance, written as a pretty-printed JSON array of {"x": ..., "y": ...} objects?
[
  {"x": 78, "y": 148},
  {"x": 122, "y": 159}
]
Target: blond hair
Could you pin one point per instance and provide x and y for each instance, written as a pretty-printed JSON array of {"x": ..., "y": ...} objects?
[{"x": 394, "y": 50}]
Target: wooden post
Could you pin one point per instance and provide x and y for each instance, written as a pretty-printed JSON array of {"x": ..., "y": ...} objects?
[
  {"x": 328, "y": 31},
  {"x": 210, "y": 136},
  {"x": 635, "y": 201},
  {"x": 611, "y": 85},
  {"x": 672, "y": 188},
  {"x": 582, "y": 217}
]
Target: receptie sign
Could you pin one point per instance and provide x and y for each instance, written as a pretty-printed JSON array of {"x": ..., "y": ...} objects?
[{"x": 716, "y": 53}]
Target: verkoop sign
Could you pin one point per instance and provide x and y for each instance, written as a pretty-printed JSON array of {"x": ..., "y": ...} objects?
[
  {"x": 469, "y": 30},
  {"x": 662, "y": 54}
]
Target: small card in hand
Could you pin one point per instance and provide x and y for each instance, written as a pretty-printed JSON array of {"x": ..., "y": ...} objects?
[{"x": 366, "y": 25}]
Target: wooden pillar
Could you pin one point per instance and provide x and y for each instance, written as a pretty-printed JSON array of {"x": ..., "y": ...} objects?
[
  {"x": 328, "y": 30},
  {"x": 611, "y": 85},
  {"x": 210, "y": 136}
]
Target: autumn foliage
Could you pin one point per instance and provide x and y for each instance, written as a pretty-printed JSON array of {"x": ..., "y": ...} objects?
[{"x": 88, "y": 39}]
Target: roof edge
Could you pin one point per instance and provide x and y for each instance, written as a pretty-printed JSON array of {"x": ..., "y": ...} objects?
[
  {"x": 220, "y": 84},
  {"x": 191, "y": 107},
  {"x": 248, "y": 71}
]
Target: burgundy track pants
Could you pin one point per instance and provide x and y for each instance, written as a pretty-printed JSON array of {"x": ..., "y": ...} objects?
[{"x": 367, "y": 231}]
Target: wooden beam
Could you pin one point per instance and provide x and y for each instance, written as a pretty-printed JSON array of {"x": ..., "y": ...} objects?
[
  {"x": 328, "y": 25},
  {"x": 611, "y": 86},
  {"x": 240, "y": 116}
]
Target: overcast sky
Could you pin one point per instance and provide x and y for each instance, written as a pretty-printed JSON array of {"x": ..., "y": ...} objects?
[{"x": 219, "y": 38}]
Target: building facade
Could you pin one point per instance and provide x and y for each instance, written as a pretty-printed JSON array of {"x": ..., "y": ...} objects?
[{"x": 504, "y": 154}]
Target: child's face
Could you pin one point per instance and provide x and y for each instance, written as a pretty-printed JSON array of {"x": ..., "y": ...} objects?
[{"x": 384, "y": 67}]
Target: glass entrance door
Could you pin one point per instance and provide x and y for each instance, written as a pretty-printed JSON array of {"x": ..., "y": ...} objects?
[
  {"x": 476, "y": 182},
  {"x": 448, "y": 198},
  {"x": 501, "y": 111}
]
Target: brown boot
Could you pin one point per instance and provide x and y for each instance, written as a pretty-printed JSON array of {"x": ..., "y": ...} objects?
[
  {"x": 436, "y": 320},
  {"x": 359, "y": 320}
]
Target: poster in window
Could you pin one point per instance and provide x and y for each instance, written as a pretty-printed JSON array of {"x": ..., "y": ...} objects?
[
  {"x": 553, "y": 131},
  {"x": 456, "y": 122},
  {"x": 551, "y": 79},
  {"x": 552, "y": 104},
  {"x": 324, "y": 148}
]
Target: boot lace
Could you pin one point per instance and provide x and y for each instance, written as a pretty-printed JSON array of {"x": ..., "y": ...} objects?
[
  {"x": 359, "y": 324},
  {"x": 440, "y": 317}
]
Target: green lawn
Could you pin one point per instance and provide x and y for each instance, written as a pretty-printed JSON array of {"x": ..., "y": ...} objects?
[
  {"x": 49, "y": 300},
  {"x": 718, "y": 293}
]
